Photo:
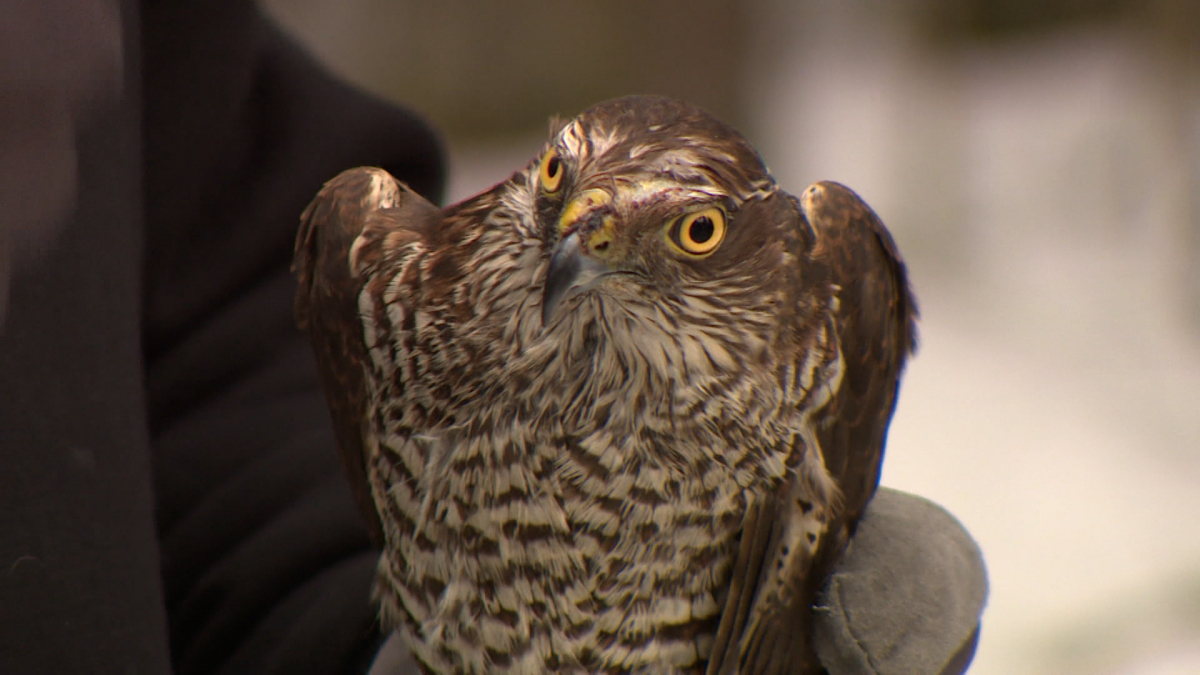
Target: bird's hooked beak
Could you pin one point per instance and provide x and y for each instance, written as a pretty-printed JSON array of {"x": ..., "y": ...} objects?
[{"x": 587, "y": 226}]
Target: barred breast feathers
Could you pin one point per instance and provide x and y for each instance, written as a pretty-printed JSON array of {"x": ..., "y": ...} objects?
[
  {"x": 569, "y": 495},
  {"x": 619, "y": 413}
]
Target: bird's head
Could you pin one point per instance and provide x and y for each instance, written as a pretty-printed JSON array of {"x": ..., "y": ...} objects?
[{"x": 660, "y": 206}]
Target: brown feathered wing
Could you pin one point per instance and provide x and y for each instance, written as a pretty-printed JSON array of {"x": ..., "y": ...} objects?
[
  {"x": 766, "y": 628},
  {"x": 347, "y": 217}
]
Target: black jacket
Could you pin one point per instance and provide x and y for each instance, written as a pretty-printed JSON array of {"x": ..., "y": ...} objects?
[{"x": 170, "y": 493}]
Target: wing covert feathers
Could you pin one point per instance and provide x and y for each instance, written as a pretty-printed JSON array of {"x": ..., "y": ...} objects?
[
  {"x": 351, "y": 212},
  {"x": 874, "y": 313}
]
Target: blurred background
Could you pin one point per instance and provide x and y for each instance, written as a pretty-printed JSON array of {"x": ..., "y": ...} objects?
[{"x": 1038, "y": 162}]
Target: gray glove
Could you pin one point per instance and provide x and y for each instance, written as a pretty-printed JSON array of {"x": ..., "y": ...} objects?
[
  {"x": 907, "y": 596},
  {"x": 904, "y": 600}
]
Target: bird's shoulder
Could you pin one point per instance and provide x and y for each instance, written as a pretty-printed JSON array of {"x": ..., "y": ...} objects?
[{"x": 361, "y": 221}]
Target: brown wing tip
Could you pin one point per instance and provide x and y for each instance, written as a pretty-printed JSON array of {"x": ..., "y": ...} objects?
[
  {"x": 330, "y": 224},
  {"x": 340, "y": 207},
  {"x": 833, "y": 202}
]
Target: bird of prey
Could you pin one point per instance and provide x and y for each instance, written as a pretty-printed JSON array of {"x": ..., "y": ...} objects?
[{"x": 619, "y": 413}]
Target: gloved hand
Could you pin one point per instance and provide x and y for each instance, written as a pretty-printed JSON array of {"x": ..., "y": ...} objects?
[
  {"x": 906, "y": 597},
  {"x": 904, "y": 600}
]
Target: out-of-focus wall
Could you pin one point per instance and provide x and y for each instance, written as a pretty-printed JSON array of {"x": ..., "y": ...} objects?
[
  {"x": 1038, "y": 163},
  {"x": 1040, "y": 176},
  {"x": 484, "y": 69}
]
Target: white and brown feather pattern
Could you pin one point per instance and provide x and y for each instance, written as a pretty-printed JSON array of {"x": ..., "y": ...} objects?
[
  {"x": 519, "y": 506},
  {"x": 572, "y": 493}
]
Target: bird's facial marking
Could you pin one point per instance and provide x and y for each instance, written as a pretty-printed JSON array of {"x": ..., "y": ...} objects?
[
  {"x": 573, "y": 139},
  {"x": 551, "y": 170},
  {"x": 697, "y": 234}
]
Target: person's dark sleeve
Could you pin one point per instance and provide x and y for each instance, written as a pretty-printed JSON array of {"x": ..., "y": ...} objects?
[
  {"x": 60, "y": 71},
  {"x": 79, "y": 564},
  {"x": 266, "y": 565}
]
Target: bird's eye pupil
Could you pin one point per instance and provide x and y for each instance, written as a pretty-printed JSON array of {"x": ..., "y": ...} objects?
[
  {"x": 553, "y": 168},
  {"x": 701, "y": 229}
]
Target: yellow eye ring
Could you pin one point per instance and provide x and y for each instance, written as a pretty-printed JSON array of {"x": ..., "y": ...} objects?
[
  {"x": 699, "y": 233},
  {"x": 551, "y": 170}
]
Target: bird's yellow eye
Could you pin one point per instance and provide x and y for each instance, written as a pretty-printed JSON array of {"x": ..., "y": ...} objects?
[
  {"x": 698, "y": 233},
  {"x": 550, "y": 173}
]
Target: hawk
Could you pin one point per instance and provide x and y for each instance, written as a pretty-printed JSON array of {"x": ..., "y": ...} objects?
[{"x": 619, "y": 413}]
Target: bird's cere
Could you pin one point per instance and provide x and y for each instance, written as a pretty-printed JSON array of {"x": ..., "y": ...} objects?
[{"x": 586, "y": 202}]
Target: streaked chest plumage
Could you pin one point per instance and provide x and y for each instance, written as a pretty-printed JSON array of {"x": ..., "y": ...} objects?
[{"x": 562, "y": 498}]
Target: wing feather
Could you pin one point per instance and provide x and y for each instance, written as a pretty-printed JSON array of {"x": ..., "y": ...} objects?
[
  {"x": 347, "y": 219},
  {"x": 876, "y": 315},
  {"x": 873, "y": 314},
  {"x": 757, "y": 526}
]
